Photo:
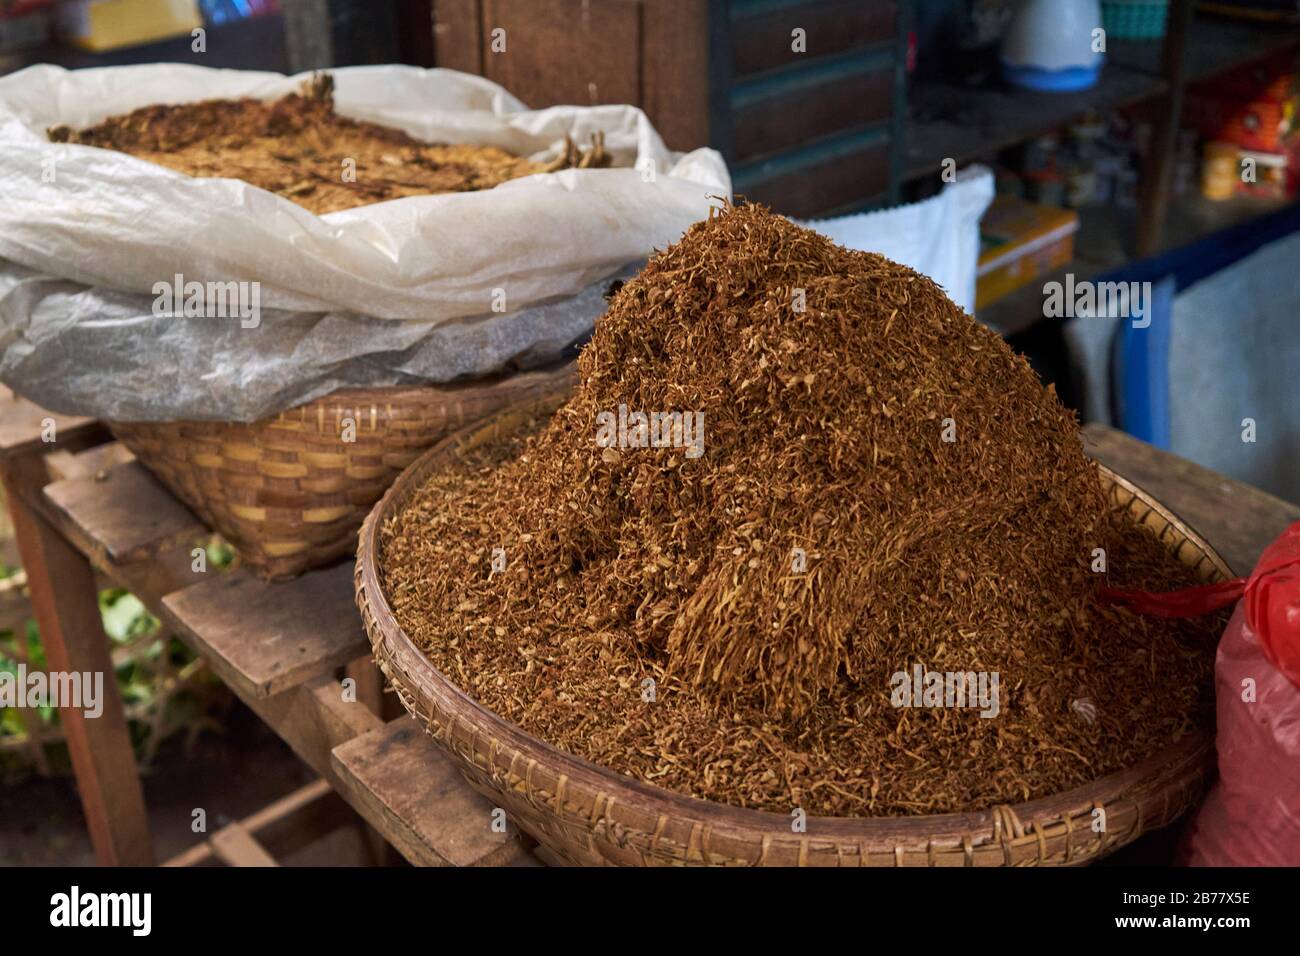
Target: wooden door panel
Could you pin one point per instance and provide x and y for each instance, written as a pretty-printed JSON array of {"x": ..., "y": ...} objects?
[{"x": 577, "y": 52}]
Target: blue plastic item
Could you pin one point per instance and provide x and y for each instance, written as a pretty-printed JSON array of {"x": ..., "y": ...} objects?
[
  {"x": 1140, "y": 357},
  {"x": 1142, "y": 368},
  {"x": 1069, "y": 80}
]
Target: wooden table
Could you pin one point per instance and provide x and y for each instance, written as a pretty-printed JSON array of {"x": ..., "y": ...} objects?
[{"x": 282, "y": 647}]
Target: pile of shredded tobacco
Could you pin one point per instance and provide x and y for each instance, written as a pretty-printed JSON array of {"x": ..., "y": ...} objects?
[
  {"x": 298, "y": 147},
  {"x": 883, "y": 485}
]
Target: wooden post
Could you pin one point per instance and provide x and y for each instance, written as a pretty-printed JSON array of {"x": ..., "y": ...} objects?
[
  {"x": 307, "y": 35},
  {"x": 370, "y": 694},
  {"x": 73, "y": 636},
  {"x": 320, "y": 34},
  {"x": 415, "y": 31},
  {"x": 675, "y": 70},
  {"x": 1157, "y": 170}
]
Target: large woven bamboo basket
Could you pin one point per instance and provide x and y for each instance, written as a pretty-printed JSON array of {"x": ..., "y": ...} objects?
[
  {"x": 593, "y": 816},
  {"x": 290, "y": 492}
]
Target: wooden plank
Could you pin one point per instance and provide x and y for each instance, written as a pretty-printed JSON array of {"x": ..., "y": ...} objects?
[
  {"x": 1237, "y": 519},
  {"x": 565, "y": 51},
  {"x": 675, "y": 71},
  {"x": 82, "y": 464},
  {"x": 368, "y": 680},
  {"x": 457, "y": 40},
  {"x": 74, "y": 642},
  {"x": 310, "y": 824},
  {"x": 123, "y": 515},
  {"x": 1158, "y": 166},
  {"x": 815, "y": 187},
  {"x": 287, "y": 805},
  {"x": 235, "y": 846},
  {"x": 23, "y": 427},
  {"x": 764, "y": 40},
  {"x": 285, "y": 826},
  {"x": 149, "y": 579},
  {"x": 339, "y": 720},
  {"x": 1215, "y": 45},
  {"x": 300, "y": 818},
  {"x": 951, "y": 121},
  {"x": 265, "y": 638},
  {"x": 198, "y": 855},
  {"x": 415, "y": 31},
  {"x": 796, "y": 116},
  {"x": 415, "y": 797},
  {"x": 368, "y": 683}
]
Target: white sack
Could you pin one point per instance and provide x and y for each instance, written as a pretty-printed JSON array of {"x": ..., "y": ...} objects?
[
  {"x": 382, "y": 294},
  {"x": 117, "y": 221},
  {"x": 938, "y": 237}
]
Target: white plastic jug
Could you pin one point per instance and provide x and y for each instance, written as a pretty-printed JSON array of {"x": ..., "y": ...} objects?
[{"x": 1054, "y": 45}]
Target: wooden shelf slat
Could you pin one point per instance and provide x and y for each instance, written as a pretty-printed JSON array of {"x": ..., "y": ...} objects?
[
  {"x": 122, "y": 515},
  {"x": 282, "y": 827},
  {"x": 413, "y": 794},
  {"x": 235, "y": 846},
  {"x": 22, "y": 426},
  {"x": 61, "y": 465},
  {"x": 1215, "y": 45},
  {"x": 970, "y": 123},
  {"x": 263, "y": 638}
]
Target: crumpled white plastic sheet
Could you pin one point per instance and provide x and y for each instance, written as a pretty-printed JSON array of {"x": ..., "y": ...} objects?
[
  {"x": 382, "y": 294},
  {"x": 96, "y": 352}
]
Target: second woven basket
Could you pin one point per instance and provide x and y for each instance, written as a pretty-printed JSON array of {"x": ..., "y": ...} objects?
[{"x": 290, "y": 492}]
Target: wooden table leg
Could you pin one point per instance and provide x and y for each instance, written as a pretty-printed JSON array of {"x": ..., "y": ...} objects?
[
  {"x": 370, "y": 694},
  {"x": 72, "y": 635}
]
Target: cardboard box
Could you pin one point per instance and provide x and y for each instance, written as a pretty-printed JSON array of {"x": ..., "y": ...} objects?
[
  {"x": 1020, "y": 241},
  {"x": 99, "y": 25}
]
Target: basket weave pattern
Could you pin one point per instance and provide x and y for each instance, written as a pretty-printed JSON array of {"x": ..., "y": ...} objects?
[
  {"x": 593, "y": 816},
  {"x": 290, "y": 492}
]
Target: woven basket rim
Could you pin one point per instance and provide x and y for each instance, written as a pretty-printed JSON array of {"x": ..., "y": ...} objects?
[{"x": 406, "y": 664}]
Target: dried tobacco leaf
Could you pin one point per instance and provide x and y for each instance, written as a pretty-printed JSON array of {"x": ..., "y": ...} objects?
[{"x": 298, "y": 147}]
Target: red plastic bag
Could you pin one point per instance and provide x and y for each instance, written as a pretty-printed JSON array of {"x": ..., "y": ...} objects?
[{"x": 1252, "y": 814}]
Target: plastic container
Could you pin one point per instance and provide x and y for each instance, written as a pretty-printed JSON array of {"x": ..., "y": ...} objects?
[
  {"x": 1050, "y": 46},
  {"x": 1219, "y": 171},
  {"x": 1134, "y": 19}
]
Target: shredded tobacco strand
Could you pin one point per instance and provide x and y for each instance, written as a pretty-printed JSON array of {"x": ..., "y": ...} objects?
[{"x": 823, "y": 431}]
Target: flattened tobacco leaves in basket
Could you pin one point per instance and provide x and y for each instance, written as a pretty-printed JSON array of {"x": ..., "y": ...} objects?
[
  {"x": 824, "y": 432},
  {"x": 298, "y": 147}
]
